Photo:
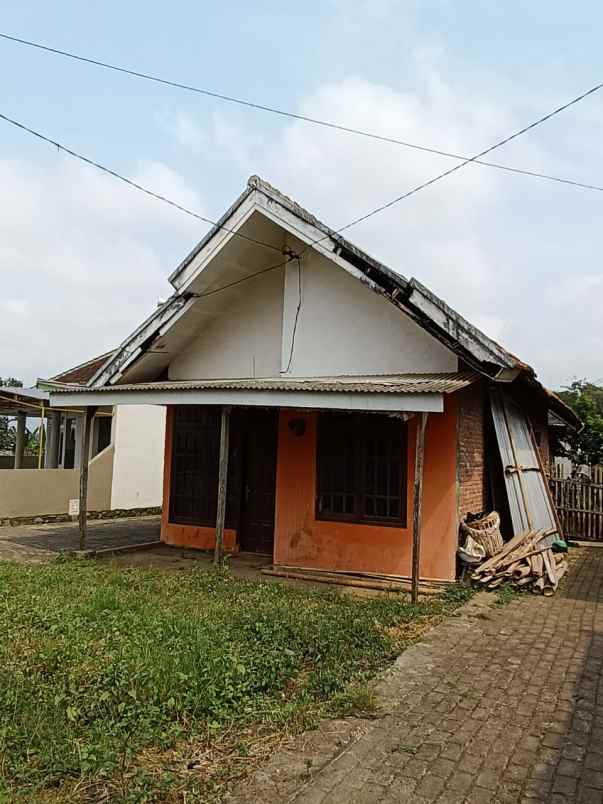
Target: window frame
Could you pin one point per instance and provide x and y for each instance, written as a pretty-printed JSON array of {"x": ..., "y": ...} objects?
[{"x": 363, "y": 427}]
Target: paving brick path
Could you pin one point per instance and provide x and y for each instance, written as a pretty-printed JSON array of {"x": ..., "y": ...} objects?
[
  {"x": 40, "y": 542},
  {"x": 499, "y": 704}
]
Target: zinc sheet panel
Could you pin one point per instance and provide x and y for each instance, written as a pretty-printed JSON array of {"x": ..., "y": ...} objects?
[
  {"x": 529, "y": 502},
  {"x": 406, "y": 384}
]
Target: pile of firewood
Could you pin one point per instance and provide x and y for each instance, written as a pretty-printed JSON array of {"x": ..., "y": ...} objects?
[{"x": 526, "y": 560}]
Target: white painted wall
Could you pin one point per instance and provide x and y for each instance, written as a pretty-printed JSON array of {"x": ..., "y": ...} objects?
[
  {"x": 243, "y": 340},
  {"x": 343, "y": 328},
  {"x": 138, "y": 439},
  {"x": 346, "y": 328}
]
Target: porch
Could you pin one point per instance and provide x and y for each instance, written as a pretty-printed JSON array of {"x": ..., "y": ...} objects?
[
  {"x": 318, "y": 490},
  {"x": 343, "y": 474}
]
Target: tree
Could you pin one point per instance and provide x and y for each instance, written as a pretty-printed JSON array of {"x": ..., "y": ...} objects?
[
  {"x": 7, "y": 428},
  {"x": 7, "y": 434},
  {"x": 586, "y": 399}
]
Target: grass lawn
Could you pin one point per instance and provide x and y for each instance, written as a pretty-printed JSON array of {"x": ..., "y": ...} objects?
[{"x": 138, "y": 685}]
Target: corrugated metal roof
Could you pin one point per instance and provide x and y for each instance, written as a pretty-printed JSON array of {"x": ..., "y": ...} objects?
[
  {"x": 27, "y": 393},
  {"x": 395, "y": 384}
]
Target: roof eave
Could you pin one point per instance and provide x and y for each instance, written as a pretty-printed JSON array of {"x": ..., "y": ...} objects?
[{"x": 220, "y": 224}]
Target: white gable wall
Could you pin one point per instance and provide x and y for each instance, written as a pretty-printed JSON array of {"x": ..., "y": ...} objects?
[
  {"x": 346, "y": 328},
  {"x": 343, "y": 328},
  {"x": 244, "y": 340}
]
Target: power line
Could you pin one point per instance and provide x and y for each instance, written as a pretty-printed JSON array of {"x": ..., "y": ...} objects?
[
  {"x": 292, "y": 115},
  {"x": 468, "y": 161},
  {"x": 424, "y": 184},
  {"x": 415, "y": 189},
  {"x": 134, "y": 184},
  {"x": 364, "y": 217}
]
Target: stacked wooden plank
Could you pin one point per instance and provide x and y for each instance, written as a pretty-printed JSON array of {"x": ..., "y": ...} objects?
[{"x": 527, "y": 560}]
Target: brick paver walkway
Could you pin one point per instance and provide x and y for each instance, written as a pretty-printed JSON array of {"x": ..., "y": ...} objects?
[
  {"x": 43, "y": 541},
  {"x": 499, "y": 704}
]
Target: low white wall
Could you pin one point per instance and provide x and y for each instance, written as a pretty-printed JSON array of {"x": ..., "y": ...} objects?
[
  {"x": 41, "y": 492},
  {"x": 138, "y": 439}
]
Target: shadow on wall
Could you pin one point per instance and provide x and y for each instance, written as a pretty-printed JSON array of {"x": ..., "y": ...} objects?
[{"x": 8, "y": 461}]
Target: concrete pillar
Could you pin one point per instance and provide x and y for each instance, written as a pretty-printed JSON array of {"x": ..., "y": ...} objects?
[
  {"x": 52, "y": 442},
  {"x": 20, "y": 440},
  {"x": 80, "y": 426}
]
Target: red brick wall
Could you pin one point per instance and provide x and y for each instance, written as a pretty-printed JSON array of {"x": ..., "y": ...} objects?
[{"x": 471, "y": 450}]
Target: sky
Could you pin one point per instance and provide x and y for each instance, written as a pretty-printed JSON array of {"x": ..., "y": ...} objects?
[{"x": 84, "y": 259}]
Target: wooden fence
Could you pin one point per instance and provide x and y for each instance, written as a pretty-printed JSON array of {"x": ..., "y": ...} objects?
[{"x": 579, "y": 502}]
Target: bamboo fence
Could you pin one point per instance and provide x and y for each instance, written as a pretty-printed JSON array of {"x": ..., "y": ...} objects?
[{"x": 579, "y": 503}]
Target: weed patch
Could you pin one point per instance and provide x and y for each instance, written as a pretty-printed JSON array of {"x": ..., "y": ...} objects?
[{"x": 133, "y": 685}]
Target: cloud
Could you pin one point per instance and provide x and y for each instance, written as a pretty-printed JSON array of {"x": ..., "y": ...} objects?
[
  {"x": 516, "y": 255},
  {"x": 499, "y": 248},
  {"x": 83, "y": 260},
  {"x": 18, "y": 308},
  {"x": 185, "y": 131}
]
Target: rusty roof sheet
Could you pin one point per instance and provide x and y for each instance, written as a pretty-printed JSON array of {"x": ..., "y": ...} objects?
[
  {"x": 79, "y": 375},
  {"x": 395, "y": 384}
]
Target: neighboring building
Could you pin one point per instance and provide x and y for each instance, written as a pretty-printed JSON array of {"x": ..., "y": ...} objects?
[
  {"x": 125, "y": 458},
  {"x": 136, "y": 434},
  {"x": 329, "y": 362}
]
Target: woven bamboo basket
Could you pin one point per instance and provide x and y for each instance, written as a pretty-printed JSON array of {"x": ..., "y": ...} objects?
[{"x": 485, "y": 530}]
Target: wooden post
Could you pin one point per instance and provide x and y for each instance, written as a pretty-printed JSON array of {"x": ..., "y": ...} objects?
[
  {"x": 83, "y": 515},
  {"x": 222, "y": 485},
  {"x": 41, "y": 436},
  {"x": 417, "y": 505}
]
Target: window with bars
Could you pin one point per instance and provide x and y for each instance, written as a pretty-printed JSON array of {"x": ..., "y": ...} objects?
[{"x": 361, "y": 469}]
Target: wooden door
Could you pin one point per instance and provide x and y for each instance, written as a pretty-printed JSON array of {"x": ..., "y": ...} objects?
[{"x": 259, "y": 481}]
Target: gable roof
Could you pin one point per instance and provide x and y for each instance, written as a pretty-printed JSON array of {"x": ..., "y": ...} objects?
[
  {"x": 84, "y": 372},
  {"x": 476, "y": 350}
]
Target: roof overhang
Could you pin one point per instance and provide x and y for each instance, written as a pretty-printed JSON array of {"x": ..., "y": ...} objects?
[
  {"x": 320, "y": 400},
  {"x": 29, "y": 401},
  {"x": 387, "y": 394}
]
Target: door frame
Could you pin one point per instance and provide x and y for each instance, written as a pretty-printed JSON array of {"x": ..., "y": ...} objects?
[{"x": 247, "y": 423}]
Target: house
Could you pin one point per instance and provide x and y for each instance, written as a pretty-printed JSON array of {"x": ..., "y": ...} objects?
[
  {"x": 125, "y": 452},
  {"x": 353, "y": 408}
]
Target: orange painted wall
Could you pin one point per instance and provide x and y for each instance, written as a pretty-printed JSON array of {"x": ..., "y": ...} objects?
[
  {"x": 203, "y": 538},
  {"x": 302, "y": 540}
]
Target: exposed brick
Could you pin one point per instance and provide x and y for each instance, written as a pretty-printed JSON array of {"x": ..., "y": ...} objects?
[{"x": 471, "y": 450}]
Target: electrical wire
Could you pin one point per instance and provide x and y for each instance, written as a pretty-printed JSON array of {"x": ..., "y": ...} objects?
[
  {"x": 293, "y": 115},
  {"x": 417, "y": 188},
  {"x": 297, "y": 312},
  {"x": 362, "y": 218},
  {"x": 134, "y": 184},
  {"x": 468, "y": 161}
]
